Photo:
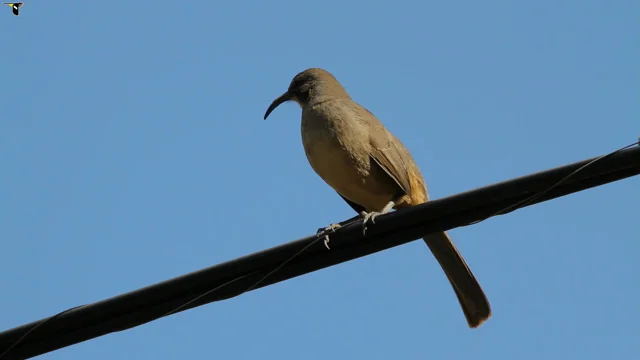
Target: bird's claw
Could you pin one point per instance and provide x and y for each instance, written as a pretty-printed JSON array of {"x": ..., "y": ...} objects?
[
  {"x": 322, "y": 232},
  {"x": 331, "y": 228},
  {"x": 326, "y": 242},
  {"x": 366, "y": 217}
]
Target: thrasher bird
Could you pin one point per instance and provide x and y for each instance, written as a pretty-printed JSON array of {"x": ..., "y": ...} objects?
[{"x": 350, "y": 149}]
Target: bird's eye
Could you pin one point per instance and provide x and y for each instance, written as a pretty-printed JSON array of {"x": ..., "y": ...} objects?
[{"x": 296, "y": 85}]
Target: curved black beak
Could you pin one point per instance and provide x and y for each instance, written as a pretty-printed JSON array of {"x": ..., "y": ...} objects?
[{"x": 281, "y": 99}]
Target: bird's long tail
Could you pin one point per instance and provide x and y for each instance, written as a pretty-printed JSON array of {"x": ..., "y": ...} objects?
[{"x": 474, "y": 302}]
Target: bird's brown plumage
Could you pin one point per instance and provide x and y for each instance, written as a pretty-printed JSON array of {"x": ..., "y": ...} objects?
[{"x": 350, "y": 149}]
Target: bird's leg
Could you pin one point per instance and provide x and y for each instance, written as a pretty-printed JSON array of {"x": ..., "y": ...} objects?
[
  {"x": 323, "y": 232},
  {"x": 371, "y": 216}
]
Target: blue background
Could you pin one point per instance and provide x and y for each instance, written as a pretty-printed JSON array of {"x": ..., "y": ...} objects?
[{"x": 133, "y": 150}]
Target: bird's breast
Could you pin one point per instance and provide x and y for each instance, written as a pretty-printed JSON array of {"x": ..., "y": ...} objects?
[
  {"x": 338, "y": 149},
  {"x": 332, "y": 143}
]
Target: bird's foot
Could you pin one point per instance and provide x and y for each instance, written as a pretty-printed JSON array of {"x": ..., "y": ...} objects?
[
  {"x": 368, "y": 217},
  {"x": 323, "y": 232}
]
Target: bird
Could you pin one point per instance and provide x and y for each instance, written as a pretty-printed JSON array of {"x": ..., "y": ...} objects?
[
  {"x": 373, "y": 172},
  {"x": 15, "y": 7}
]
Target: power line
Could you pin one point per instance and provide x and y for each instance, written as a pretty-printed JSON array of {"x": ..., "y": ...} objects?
[{"x": 302, "y": 256}]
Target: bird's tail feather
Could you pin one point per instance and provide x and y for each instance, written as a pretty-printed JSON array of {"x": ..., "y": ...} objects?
[{"x": 472, "y": 299}]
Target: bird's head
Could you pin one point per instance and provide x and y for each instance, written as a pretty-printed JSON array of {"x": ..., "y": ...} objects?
[{"x": 308, "y": 87}]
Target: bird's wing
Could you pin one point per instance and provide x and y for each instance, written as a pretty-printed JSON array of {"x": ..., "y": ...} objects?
[{"x": 387, "y": 152}]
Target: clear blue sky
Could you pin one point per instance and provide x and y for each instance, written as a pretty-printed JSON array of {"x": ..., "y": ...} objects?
[{"x": 133, "y": 150}]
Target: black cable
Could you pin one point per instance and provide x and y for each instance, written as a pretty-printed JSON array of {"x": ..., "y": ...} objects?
[{"x": 293, "y": 259}]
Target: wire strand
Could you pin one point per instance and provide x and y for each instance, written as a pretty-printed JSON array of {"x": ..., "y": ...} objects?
[{"x": 537, "y": 195}]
